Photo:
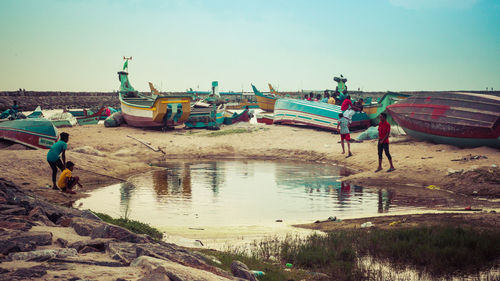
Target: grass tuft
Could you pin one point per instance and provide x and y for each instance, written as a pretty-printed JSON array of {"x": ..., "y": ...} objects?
[{"x": 132, "y": 225}]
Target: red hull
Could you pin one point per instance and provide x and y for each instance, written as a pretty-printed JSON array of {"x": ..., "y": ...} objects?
[
  {"x": 28, "y": 139},
  {"x": 454, "y": 115}
]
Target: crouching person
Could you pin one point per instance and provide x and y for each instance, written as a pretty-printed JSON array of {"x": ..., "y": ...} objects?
[{"x": 66, "y": 180}]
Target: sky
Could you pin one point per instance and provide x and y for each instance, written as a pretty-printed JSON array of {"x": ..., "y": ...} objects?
[{"x": 379, "y": 45}]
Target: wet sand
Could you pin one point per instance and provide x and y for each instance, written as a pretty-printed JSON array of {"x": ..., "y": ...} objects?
[{"x": 107, "y": 155}]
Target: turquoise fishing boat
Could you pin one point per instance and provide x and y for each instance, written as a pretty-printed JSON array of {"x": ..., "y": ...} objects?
[
  {"x": 210, "y": 117},
  {"x": 314, "y": 114},
  {"x": 37, "y": 113},
  {"x": 373, "y": 110},
  {"x": 32, "y": 132}
]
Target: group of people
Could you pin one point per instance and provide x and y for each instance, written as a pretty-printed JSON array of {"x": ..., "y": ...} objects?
[
  {"x": 66, "y": 180},
  {"x": 384, "y": 130}
]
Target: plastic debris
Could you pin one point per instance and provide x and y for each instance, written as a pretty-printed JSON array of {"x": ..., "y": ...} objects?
[
  {"x": 258, "y": 273},
  {"x": 332, "y": 218},
  {"x": 367, "y": 224},
  {"x": 433, "y": 187},
  {"x": 394, "y": 223}
]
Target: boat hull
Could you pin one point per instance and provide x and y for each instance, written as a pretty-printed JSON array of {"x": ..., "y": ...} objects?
[
  {"x": 237, "y": 117},
  {"x": 265, "y": 118},
  {"x": 209, "y": 118},
  {"x": 265, "y": 102},
  {"x": 314, "y": 114},
  {"x": 461, "y": 119},
  {"x": 35, "y": 133}
]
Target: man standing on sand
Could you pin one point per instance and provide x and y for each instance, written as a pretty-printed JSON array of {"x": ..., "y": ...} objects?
[
  {"x": 384, "y": 129},
  {"x": 344, "y": 134},
  {"x": 53, "y": 157}
]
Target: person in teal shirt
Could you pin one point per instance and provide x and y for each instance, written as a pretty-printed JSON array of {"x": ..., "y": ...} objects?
[{"x": 53, "y": 157}]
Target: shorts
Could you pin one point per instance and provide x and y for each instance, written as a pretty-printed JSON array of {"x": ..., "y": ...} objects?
[{"x": 345, "y": 137}]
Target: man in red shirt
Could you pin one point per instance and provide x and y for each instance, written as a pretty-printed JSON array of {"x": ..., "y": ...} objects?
[
  {"x": 346, "y": 104},
  {"x": 384, "y": 129}
]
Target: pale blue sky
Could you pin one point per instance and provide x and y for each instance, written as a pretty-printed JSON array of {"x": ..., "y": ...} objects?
[{"x": 378, "y": 45}]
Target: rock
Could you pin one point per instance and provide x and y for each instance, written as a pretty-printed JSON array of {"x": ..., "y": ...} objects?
[
  {"x": 24, "y": 226},
  {"x": 175, "y": 271},
  {"x": 239, "y": 269},
  {"x": 157, "y": 274},
  {"x": 18, "y": 241},
  {"x": 29, "y": 273},
  {"x": 122, "y": 251},
  {"x": 37, "y": 214},
  {"x": 43, "y": 254},
  {"x": 318, "y": 276},
  {"x": 88, "y": 249},
  {"x": 20, "y": 211},
  {"x": 62, "y": 242},
  {"x": 99, "y": 245},
  {"x": 84, "y": 226},
  {"x": 119, "y": 233}
]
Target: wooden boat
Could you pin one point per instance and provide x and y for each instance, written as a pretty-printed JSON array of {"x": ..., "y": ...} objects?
[
  {"x": 265, "y": 117},
  {"x": 209, "y": 117},
  {"x": 64, "y": 119},
  {"x": 373, "y": 110},
  {"x": 265, "y": 102},
  {"x": 37, "y": 113},
  {"x": 32, "y": 132},
  {"x": 461, "y": 119},
  {"x": 231, "y": 118},
  {"x": 314, "y": 114},
  {"x": 242, "y": 105},
  {"x": 91, "y": 119},
  {"x": 141, "y": 110}
]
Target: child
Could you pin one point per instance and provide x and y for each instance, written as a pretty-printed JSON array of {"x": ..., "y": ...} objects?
[
  {"x": 66, "y": 180},
  {"x": 344, "y": 133},
  {"x": 384, "y": 130}
]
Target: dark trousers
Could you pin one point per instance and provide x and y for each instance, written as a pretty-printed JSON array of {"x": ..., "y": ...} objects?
[
  {"x": 384, "y": 147},
  {"x": 54, "y": 165}
]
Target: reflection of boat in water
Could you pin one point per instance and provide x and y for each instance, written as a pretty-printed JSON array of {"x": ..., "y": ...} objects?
[
  {"x": 140, "y": 110},
  {"x": 461, "y": 119}
]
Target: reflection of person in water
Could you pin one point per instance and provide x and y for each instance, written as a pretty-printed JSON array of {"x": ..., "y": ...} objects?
[
  {"x": 344, "y": 191},
  {"x": 384, "y": 200}
]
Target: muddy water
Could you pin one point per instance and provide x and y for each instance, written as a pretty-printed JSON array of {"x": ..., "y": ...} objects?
[{"x": 221, "y": 200}]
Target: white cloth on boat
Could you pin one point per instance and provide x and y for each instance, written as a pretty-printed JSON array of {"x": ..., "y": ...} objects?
[{"x": 348, "y": 114}]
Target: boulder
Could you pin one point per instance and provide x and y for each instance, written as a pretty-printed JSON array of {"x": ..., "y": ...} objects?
[
  {"x": 43, "y": 254},
  {"x": 37, "y": 214},
  {"x": 28, "y": 273},
  {"x": 99, "y": 245},
  {"x": 19, "y": 241},
  {"x": 241, "y": 270},
  {"x": 175, "y": 271},
  {"x": 84, "y": 226},
  {"x": 105, "y": 230},
  {"x": 157, "y": 274}
]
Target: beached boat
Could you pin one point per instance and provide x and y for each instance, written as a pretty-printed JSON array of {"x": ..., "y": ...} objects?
[
  {"x": 265, "y": 102},
  {"x": 373, "y": 110},
  {"x": 37, "y": 113},
  {"x": 461, "y": 119},
  {"x": 265, "y": 117},
  {"x": 32, "y": 132},
  {"x": 141, "y": 110},
  {"x": 209, "y": 117},
  {"x": 91, "y": 119},
  {"x": 64, "y": 119},
  {"x": 314, "y": 114},
  {"x": 242, "y": 105},
  {"x": 234, "y": 117}
]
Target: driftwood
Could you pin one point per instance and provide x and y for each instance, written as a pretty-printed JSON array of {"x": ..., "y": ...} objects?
[{"x": 148, "y": 145}]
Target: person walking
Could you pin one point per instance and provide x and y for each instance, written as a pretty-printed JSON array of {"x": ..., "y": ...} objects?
[
  {"x": 344, "y": 134},
  {"x": 53, "y": 157},
  {"x": 384, "y": 130}
]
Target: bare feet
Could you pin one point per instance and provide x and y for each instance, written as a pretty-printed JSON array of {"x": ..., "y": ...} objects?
[
  {"x": 70, "y": 191},
  {"x": 391, "y": 169},
  {"x": 378, "y": 169},
  {"x": 349, "y": 155}
]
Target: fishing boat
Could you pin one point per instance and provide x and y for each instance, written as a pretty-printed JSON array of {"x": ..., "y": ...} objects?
[
  {"x": 140, "y": 110},
  {"x": 234, "y": 117},
  {"x": 314, "y": 114},
  {"x": 32, "y": 132},
  {"x": 63, "y": 119},
  {"x": 373, "y": 110},
  {"x": 265, "y": 118},
  {"x": 208, "y": 117},
  {"x": 242, "y": 105},
  {"x": 461, "y": 119},
  {"x": 37, "y": 113},
  {"x": 265, "y": 102},
  {"x": 91, "y": 119}
]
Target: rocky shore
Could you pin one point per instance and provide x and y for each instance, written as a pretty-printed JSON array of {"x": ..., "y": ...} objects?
[{"x": 43, "y": 241}]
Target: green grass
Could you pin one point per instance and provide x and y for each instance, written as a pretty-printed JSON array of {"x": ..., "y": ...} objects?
[
  {"x": 228, "y": 132},
  {"x": 132, "y": 225},
  {"x": 437, "y": 251}
]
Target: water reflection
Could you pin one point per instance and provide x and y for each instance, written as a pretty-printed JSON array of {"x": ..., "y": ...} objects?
[{"x": 209, "y": 193}]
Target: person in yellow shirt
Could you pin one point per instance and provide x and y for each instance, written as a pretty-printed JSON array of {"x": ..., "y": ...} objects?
[{"x": 66, "y": 180}]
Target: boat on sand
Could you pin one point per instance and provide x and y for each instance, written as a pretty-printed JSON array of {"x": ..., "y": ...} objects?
[
  {"x": 461, "y": 119},
  {"x": 140, "y": 110},
  {"x": 265, "y": 102},
  {"x": 32, "y": 132}
]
